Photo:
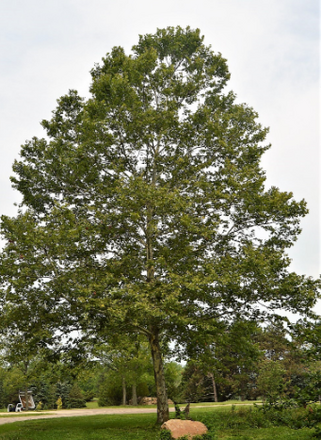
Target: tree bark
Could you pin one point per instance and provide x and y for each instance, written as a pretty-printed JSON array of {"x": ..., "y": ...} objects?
[
  {"x": 27, "y": 400},
  {"x": 124, "y": 391},
  {"x": 214, "y": 387},
  {"x": 134, "y": 394},
  {"x": 162, "y": 402},
  {"x": 26, "y": 365}
]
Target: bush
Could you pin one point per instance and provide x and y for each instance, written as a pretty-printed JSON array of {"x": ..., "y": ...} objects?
[
  {"x": 45, "y": 393},
  {"x": 75, "y": 398},
  {"x": 208, "y": 436},
  {"x": 165, "y": 435},
  {"x": 109, "y": 393},
  {"x": 89, "y": 395},
  {"x": 59, "y": 403},
  {"x": 62, "y": 391},
  {"x": 142, "y": 390}
]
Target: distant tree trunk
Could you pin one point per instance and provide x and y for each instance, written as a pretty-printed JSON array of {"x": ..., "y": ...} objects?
[
  {"x": 26, "y": 365},
  {"x": 214, "y": 387},
  {"x": 134, "y": 394},
  {"x": 27, "y": 400},
  {"x": 124, "y": 391},
  {"x": 162, "y": 402}
]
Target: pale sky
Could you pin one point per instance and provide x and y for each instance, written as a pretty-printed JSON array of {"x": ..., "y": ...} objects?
[{"x": 273, "y": 52}]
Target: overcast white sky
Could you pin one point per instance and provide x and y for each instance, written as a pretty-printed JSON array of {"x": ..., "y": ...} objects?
[{"x": 273, "y": 52}]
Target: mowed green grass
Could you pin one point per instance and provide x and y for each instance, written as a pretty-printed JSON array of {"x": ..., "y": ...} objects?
[
  {"x": 94, "y": 404},
  {"x": 130, "y": 427},
  {"x": 112, "y": 427}
]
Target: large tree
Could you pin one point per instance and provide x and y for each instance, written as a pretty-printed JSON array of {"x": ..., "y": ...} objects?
[{"x": 145, "y": 207}]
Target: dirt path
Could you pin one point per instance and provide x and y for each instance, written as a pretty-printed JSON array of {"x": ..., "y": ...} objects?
[{"x": 13, "y": 417}]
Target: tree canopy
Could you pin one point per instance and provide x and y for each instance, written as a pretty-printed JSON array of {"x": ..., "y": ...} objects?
[{"x": 145, "y": 208}]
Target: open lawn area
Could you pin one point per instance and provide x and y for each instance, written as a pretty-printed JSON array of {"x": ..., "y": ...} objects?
[
  {"x": 225, "y": 424},
  {"x": 94, "y": 404}
]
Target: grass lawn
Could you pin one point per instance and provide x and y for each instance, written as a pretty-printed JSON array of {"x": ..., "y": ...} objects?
[
  {"x": 94, "y": 404},
  {"x": 133, "y": 427},
  {"x": 111, "y": 427}
]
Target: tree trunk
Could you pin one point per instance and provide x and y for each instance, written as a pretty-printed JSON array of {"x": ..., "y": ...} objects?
[
  {"x": 134, "y": 394},
  {"x": 162, "y": 402},
  {"x": 26, "y": 365},
  {"x": 27, "y": 400},
  {"x": 214, "y": 387},
  {"x": 124, "y": 391}
]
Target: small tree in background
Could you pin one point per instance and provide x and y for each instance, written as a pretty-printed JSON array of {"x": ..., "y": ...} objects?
[
  {"x": 75, "y": 397},
  {"x": 271, "y": 381}
]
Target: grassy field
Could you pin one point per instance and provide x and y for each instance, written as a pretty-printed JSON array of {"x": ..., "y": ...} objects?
[
  {"x": 137, "y": 427},
  {"x": 94, "y": 404}
]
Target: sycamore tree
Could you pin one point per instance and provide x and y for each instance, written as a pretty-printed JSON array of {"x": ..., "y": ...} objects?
[{"x": 145, "y": 208}]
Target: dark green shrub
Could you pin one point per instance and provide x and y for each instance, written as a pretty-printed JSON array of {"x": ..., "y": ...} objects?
[
  {"x": 109, "y": 393},
  {"x": 142, "y": 390},
  {"x": 62, "y": 390},
  {"x": 165, "y": 435},
  {"x": 208, "y": 436},
  {"x": 89, "y": 395},
  {"x": 75, "y": 397},
  {"x": 44, "y": 392},
  {"x": 2, "y": 394},
  {"x": 317, "y": 433}
]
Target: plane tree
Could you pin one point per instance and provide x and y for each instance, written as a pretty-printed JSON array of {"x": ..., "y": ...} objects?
[{"x": 145, "y": 207}]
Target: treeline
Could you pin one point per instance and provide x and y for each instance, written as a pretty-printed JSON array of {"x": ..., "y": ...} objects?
[{"x": 261, "y": 363}]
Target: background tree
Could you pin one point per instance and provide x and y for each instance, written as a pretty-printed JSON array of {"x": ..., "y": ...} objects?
[
  {"x": 226, "y": 365},
  {"x": 145, "y": 209},
  {"x": 194, "y": 386},
  {"x": 23, "y": 356},
  {"x": 173, "y": 376},
  {"x": 127, "y": 357},
  {"x": 271, "y": 380},
  {"x": 280, "y": 344},
  {"x": 75, "y": 397}
]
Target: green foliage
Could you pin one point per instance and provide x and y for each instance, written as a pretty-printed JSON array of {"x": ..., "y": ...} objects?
[
  {"x": 13, "y": 381},
  {"x": 143, "y": 390},
  {"x": 173, "y": 376},
  {"x": 264, "y": 416},
  {"x": 89, "y": 395},
  {"x": 317, "y": 432},
  {"x": 270, "y": 382},
  {"x": 224, "y": 365},
  {"x": 109, "y": 392},
  {"x": 308, "y": 388},
  {"x": 145, "y": 210},
  {"x": 62, "y": 391},
  {"x": 208, "y": 436},
  {"x": 44, "y": 391},
  {"x": 59, "y": 403},
  {"x": 2, "y": 392},
  {"x": 126, "y": 358},
  {"x": 165, "y": 435},
  {"x": 75, "y": 397},
  {"x": 141, "y": 427},
  {"x": 193, "y": 385}
]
